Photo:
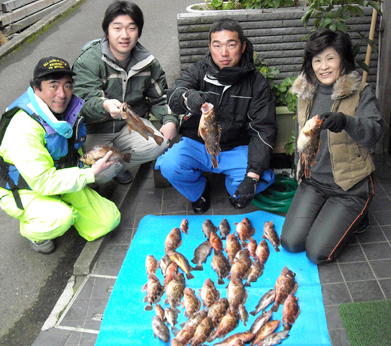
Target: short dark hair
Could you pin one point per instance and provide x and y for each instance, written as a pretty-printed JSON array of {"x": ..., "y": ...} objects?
[
  {"x": 326, "y": 38},
  {"x": 226, "y": 24},
  {"x": 37, "y": 82},
  {"x": 123, "y": 8}
]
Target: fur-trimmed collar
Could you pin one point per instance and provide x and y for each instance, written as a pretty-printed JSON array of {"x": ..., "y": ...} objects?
[{"x": 343, "y": 87}]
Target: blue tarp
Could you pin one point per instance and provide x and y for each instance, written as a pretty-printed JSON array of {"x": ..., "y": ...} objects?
[{"x": 126, "y": 323}]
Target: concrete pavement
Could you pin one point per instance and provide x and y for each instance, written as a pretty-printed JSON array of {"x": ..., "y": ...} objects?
[{"x": 30, "y": 283}]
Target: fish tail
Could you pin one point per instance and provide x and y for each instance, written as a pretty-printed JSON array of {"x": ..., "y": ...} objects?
[
  {"x": 253, "y": 313},
  {"x": 126, "y": 157},
  {"x": 275, "y": 307},
  {"x": 199, "y": 267},
  {"x": 159, "y": 140},
  {"x": 220, "y": 281},
  {"x": 247, "y": 283},
  {"x": 148, "y": 307},
  {"x": 189, "y": 276},
  {"x": 214, "y": 161}
]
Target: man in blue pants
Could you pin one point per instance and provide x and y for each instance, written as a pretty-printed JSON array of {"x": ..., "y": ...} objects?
[{"x": 245, "y": 110}]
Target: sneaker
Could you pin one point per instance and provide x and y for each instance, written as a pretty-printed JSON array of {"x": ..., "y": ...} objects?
[
  {"x": 364, "y": 225},
  {"x": 123, "y": 177},
  {"x": 46, "y": 246},
  {"x": 202, "y": 204}
]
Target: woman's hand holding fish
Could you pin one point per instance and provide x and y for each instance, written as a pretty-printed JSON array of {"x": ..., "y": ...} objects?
[
  {"x": 168, "y": 130},
  {"x": 334, "y": 122},
  {"x": 113, "y": 106}
]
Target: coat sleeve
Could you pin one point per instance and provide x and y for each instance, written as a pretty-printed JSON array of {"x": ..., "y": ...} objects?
[
  {"x": 367, "y": 126},
  {"x": 89, "y": 86},
  {"x": 158, "y": 100},
  {"x": 24, "y": 143},
  {"x": 190, "y": 79},
  {"x": 262, "y": 126}
]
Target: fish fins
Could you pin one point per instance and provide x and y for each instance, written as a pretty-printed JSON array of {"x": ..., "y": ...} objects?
[
  {"x": 189, "y": 276},
  {"x": 214, "y": 161},
  {"x": 220, "y": 281},
  {"x": 126, "y": 157},
  {"x": 199, "y": 267},
  {"x": 159, "y": 140}
]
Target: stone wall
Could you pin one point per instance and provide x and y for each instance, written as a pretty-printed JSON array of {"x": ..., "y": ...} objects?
[{"x": 276, "y": 34}]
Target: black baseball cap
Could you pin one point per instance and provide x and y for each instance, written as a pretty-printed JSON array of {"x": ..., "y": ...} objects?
[{"x": 50, "y": 65}]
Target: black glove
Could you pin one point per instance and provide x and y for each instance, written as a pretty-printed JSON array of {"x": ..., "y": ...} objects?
[
  {"x": 194, "y": 100},
  {"x": 246, "y": 191},
  {"x": 335, "y": 122}
]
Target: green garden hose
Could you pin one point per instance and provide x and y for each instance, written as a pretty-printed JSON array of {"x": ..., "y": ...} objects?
[{"x": 278, "y": 196}]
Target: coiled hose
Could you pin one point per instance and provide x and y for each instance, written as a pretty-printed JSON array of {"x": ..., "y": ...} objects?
[{"x": 278, "y": 196}]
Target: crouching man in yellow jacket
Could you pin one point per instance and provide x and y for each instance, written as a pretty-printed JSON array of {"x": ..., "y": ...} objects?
[{"x": 43, "y": 184}]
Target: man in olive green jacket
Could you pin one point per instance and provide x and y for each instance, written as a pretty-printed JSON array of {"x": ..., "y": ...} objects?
[{"x": 117, "y": 69}]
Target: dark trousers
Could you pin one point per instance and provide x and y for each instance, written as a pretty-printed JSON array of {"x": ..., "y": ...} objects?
[{"x": 321, "y": 219}]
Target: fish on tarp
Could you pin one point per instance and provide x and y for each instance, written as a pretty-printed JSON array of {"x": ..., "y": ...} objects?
[
  {"x": 165, "y": 261},
  {"x": 171, "y": 316},
  {"x": 135, "y": 123},
  {"x": 173, "y": 240},
  {"x": 290, "y": 311},
  {"x": 202, "y": 332},
  {"x": 195, "y": 320},
  {"x": 243, "y": 314},
  {"x": 255, "y": 271},
  {"x": 269, "y": 232},
  {"x": 244, "y": 255},
  {"x": 284, "y": 286},
  {"x": 265, "y": 301},
  {"x": 152, "y": 264},
  {"x": 154, "y": 291},
  {"x": 160, "y": 329},
  {"x": 252, "y": 247},
  {"x": 268, "y": 328},
  {"x": 262, "y": 252},
  {"x": 159, "y": 312},
  {"x": 232, "y": 246},
  {"x": 182, "y": 263},
  {"x": 175, "y": 291},
  {"x": 236, "y": 293},
  {"x": 208, "y": 292},
  {"x": 224, "y": 228},
  {"x": 233, "y": 339},
  {"x": 210, "y": 131},
  {"x": 190, "y": 302},
  {"x": 227, "y": 324},
  {"x": 184, "y": 226},
  {"x": 261, "y": 320},
  {"x": 245, "y": 230},
  {"x": 274, "y": 338},
  {"x": 184, "y": 335},
  {"x": 215, "y": 241},
  {"x": 170, "y": 273},
  {"x": 98, "y": 151},
  {"x": 308, "y": 143},
  {"x": 207, "y": 227},
  {"x": 218, "y": 310},
  {"x": 239, "y": 269},
  {"x": 201, "y": 253},
  {"x": 221, "y": 266}
]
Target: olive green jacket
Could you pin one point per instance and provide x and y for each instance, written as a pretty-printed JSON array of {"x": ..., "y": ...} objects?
[{"x": 141, "y": 85}]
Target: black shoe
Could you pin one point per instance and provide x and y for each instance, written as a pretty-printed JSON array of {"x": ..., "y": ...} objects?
[
  {"x": 364, "y": 225},
  {"x": 123, "y": 177},
  {"x": 202, "y": 204},
  {"x": 235, "y": 202}
]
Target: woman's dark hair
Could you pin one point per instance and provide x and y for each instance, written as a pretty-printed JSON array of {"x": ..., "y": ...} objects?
[
  {"x": 326, "y": 38},
  {"x": 226, "y": 24},
  {"x": 37, "y": 82},
  {"x": 123, "y": 8}
]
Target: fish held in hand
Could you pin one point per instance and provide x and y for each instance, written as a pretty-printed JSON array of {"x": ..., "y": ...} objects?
[
  {"x": 201, "y": 253},
  {"x": 99, "y": 151},
  {"x": 269, "y": 232},
  {"x": 308, "y": 143},
  {"x": 135, "y": 123},
  {"x": 159, "y": 329},
  {"x": 210, "y": 131}
]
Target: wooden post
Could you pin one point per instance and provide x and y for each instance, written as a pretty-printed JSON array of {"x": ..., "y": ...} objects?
[{"x": 369, "y": 48}]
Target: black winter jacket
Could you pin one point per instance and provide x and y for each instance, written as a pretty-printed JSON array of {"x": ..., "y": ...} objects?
[{"x": 243, "y": 102}]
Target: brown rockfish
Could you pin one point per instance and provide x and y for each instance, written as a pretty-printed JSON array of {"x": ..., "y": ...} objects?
[
  {"x": 290, "y": 311},
  {"x": 221, "y": 266},
  {"x": 182, "y": 263},
  {"x": 308, "y": 143},
  {"x": 285, "y": 285},
  {"x": 210, "y": 131},
  {"x": 224, "y": 228},
  {"x": 154, "y": 291},
  {"x": 135, "y": 123},
  {"x": 269, "y": 232},
  {"x": 173, "y": 240},
  {"x": 160, "y": 329},
  {"x": 201, "y": 253},
  {"x": 99, "y": 151}
]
